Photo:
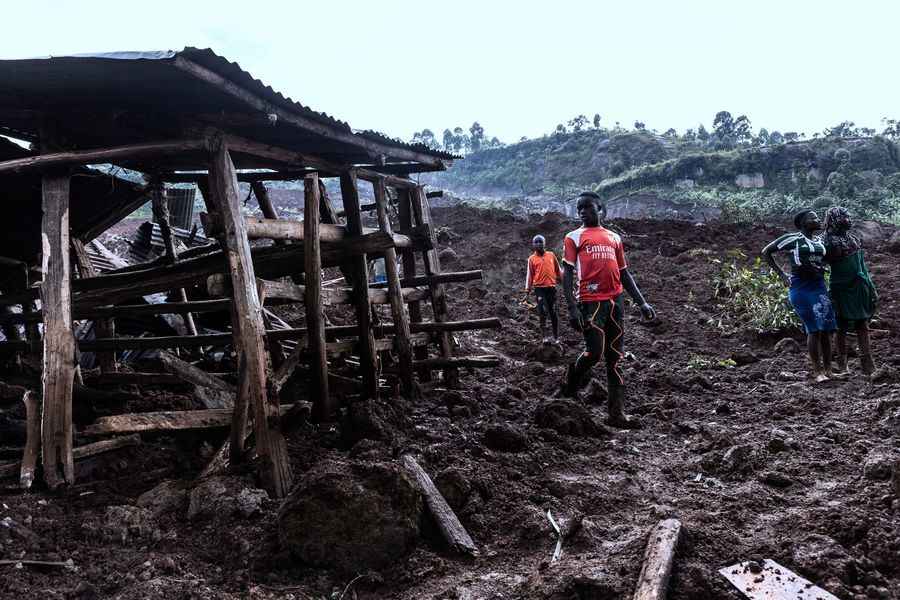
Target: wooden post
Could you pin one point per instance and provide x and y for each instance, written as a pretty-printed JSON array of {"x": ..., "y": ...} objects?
[
  {"x": 323, "y": 405},
  {"x": 422, "y": 211},
  {"x": 59, "y": 341},
  {"x": 395, "y": 291},
  {"x": 249, "y": 331},
  {"x": 360, "y": 271},
  {"x": 161, "y": 215},
  {"x": 409, "y": 272},
  {"x": 105, "y": 328},
  {"x": 265, "y": 203},
  {"x": 32, "y": 440}
]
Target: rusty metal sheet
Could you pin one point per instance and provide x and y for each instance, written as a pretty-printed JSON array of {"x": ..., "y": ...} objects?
[{"x": 773, "y": 582}]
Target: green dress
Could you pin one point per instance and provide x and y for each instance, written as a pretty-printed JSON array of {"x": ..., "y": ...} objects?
[{"x": 852, "y": 291}]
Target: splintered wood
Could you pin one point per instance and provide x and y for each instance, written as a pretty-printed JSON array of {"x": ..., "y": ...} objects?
[{"x": 653, "y": 581}]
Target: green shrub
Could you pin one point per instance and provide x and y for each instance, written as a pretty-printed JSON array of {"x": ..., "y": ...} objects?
[{"x": 750, "y": 297}]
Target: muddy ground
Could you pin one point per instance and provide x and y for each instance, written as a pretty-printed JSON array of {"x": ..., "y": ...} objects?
[{"x": 754, "y": 461}]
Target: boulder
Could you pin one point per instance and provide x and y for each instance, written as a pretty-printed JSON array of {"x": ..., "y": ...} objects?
[
  {"x": 505, "y": 438},
  {"x": 351, "y": 517},
  {"x": 448, "y": 256},
  {"x": 123, "y": 523},
  {"x": 878, "y": 466},
  {"x": 787, "y": 346},
  {"x": 169, "y": 496},
  {"x": 222, "y": 497},
  {"x": 369, "y": 420},
  {"x": 568, "y": 417}
]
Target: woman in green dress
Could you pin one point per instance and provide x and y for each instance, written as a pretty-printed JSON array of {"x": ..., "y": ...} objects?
[{"x": 852, "y": 292}]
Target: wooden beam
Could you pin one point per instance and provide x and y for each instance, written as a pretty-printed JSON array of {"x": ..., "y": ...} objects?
[
  {"x": 121, "y": 378},
  {"x": 324, "y": 406},
  {"x": 405, "y": 215},
  {"x": 395, "y": 292},
  {"x": 653, "y": 581},
  {"x": 265, "y": 203},
  {"x": 32, "y": 439},
  {"x": 59, "y": 341},
  {"x": 249, "y": 329},
  {"x": 338, "y": 133},
  {"x": 443, "y": 277},
  {"x": 422, "y": 210},
  {"x": 447, "y": 326},
  {"x": 453, "y": 531},
  {"x": 454, "y": 362},
  {"x": 360, "y": 270},
  {"x": 174, "y": 420},
  {"x": 198, "y": 377},
  {"x": 55, "y": 160}
]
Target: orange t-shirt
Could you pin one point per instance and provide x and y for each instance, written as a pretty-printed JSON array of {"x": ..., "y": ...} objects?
[
  {"x": 598, "y": 256},
  {"x": 543, "y": 271}
]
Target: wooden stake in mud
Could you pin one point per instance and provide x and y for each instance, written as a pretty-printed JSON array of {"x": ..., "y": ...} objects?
[
  {"x": 323, "y": 406},
  {"x": 106, "y": 328},
  {"x": 395, "y": 291},
  {"x": 32, "y": 441},
  {"x": 59, "y": 341},
  {"x": 359, "y": 269},
  {"x": 422, "y": 211},
  {"x": 249, "y": 331},
  {"x": 161, "y": 216},
  {"x": 653, "y": 581}
]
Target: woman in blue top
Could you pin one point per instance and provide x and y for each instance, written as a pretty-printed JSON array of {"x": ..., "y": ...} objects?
[{"x": 808, "y": 293}]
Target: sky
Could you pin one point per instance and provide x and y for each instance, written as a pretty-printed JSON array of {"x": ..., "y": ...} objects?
[{"x": 517, "y": 67}]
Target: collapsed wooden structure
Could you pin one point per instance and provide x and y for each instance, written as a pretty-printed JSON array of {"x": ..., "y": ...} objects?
[{"x": 192, "y": 116}]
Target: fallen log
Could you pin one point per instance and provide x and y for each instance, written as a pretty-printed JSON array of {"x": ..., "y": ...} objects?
[
  {"x": 140, "y": 379},
  {"x": 85, "y": 451},
  {"x": 200, "y": 378},
  {"x": 453, "y": 531},
  {"x": 69, "y": 564},
  {"x": 653, "y": 581}
]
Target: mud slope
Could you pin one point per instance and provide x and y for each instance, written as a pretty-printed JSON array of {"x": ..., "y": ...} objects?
[{"x": 756, "y": 463}]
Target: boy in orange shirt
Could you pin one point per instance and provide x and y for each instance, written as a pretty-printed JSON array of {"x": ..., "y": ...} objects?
[{"x": 543, "y": 275}]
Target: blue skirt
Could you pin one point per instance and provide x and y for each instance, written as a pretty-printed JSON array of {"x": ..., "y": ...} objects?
[{"x": 811, "y": 302}]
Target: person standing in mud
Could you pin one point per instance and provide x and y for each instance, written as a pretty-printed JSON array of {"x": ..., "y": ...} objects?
[
  {"x": 852, "y": 292},
  {"x": 596, "y": 308},
  {"x": 543, "y": 275},
  {"x": 807, "y": 293}
]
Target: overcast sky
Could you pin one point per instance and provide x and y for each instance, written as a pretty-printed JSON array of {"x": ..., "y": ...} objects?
[{"x": 518, "y": 67}]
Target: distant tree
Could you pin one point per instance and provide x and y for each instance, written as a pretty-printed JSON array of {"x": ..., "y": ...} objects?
[
  {"x": 843, "y": 129},
  {"x": 639, "y": 126},
  {"x": 776, "y": 138},
  {"x": 426, "y": 136},
  {"x": 689, "y": 136},
  {"x": 702, "y": 134},
  {"x": 476, "y": 137},
  {"x": 449, "y": 140},
  {"x": 762, "y": 138},
  {"x": 561, "y": 129},
  {"x": 866, "y": 131},
  {"x": 578, "y": 123},
  {"x": 460, "y": 140},
  {"x": 891, "y": 128},
  {"x": 596, "y": 121},
  {"x": 524, "y": 138},
  {"x": 742, "y": 132},
  {"x": 723, "y": 125},
  {"x": 791, "y": 136},
  {"x": 670, "y": 133}
]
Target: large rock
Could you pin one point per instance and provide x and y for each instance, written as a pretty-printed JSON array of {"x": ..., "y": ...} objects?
[
  {"x": 168, "y": 496},
  {"x": 568, "y": 417},
  {"x": 505, "y": 438},
  {"x": 351, "y": 517},
  {"x": 223, "y": 497}
]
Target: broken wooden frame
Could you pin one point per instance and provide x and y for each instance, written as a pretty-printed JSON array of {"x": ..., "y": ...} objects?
[{"x": 248, "y": 277}]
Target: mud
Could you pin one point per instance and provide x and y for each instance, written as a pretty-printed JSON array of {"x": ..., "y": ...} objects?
[{"x": 755, "y": 462}]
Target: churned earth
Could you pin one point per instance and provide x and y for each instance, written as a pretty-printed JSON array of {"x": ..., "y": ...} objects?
[{"x": 735, "y": 443}]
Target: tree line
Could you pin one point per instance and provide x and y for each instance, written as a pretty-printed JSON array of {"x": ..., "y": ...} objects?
[{"x": 728, "y": 132}]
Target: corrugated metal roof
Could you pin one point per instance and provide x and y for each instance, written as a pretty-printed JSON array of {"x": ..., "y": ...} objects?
[{"x": 233, "y": 72}]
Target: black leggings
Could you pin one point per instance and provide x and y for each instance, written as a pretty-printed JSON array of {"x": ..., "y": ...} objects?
[
  {"x": 546, "y": 305},
  {"x": 604, "y": 335}
]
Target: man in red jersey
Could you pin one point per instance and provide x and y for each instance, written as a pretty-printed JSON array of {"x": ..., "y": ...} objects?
[{"x": 597, "y": 256}]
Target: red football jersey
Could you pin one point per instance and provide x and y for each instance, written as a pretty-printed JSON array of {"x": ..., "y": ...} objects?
[{"x": 597, "y": 255}]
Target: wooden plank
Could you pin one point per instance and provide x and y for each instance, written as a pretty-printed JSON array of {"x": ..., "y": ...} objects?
[
  {"x": 360, "y": 272},
  {"x": 249, "y": 330},
  {"x": 265, "y": 203},
  {"x": 172, "y": 420},
  {"x": 444, "y": 277},
  {"x": 453, "y": 531},
  {"x": 468, "y": 325},
  {"x": 454, "y": 362},
  {"x": 395, "y": 292},
  {"x": 422, "y": 209},
  {"x": 59, "y": 342},
  {"x": 32, "y": 440},
  {"x": 105, "y": 328},
  {"x": 653, "y": 581},
  {"x": 55, "y": 160},
  {"x": 324, "y": 406}
]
